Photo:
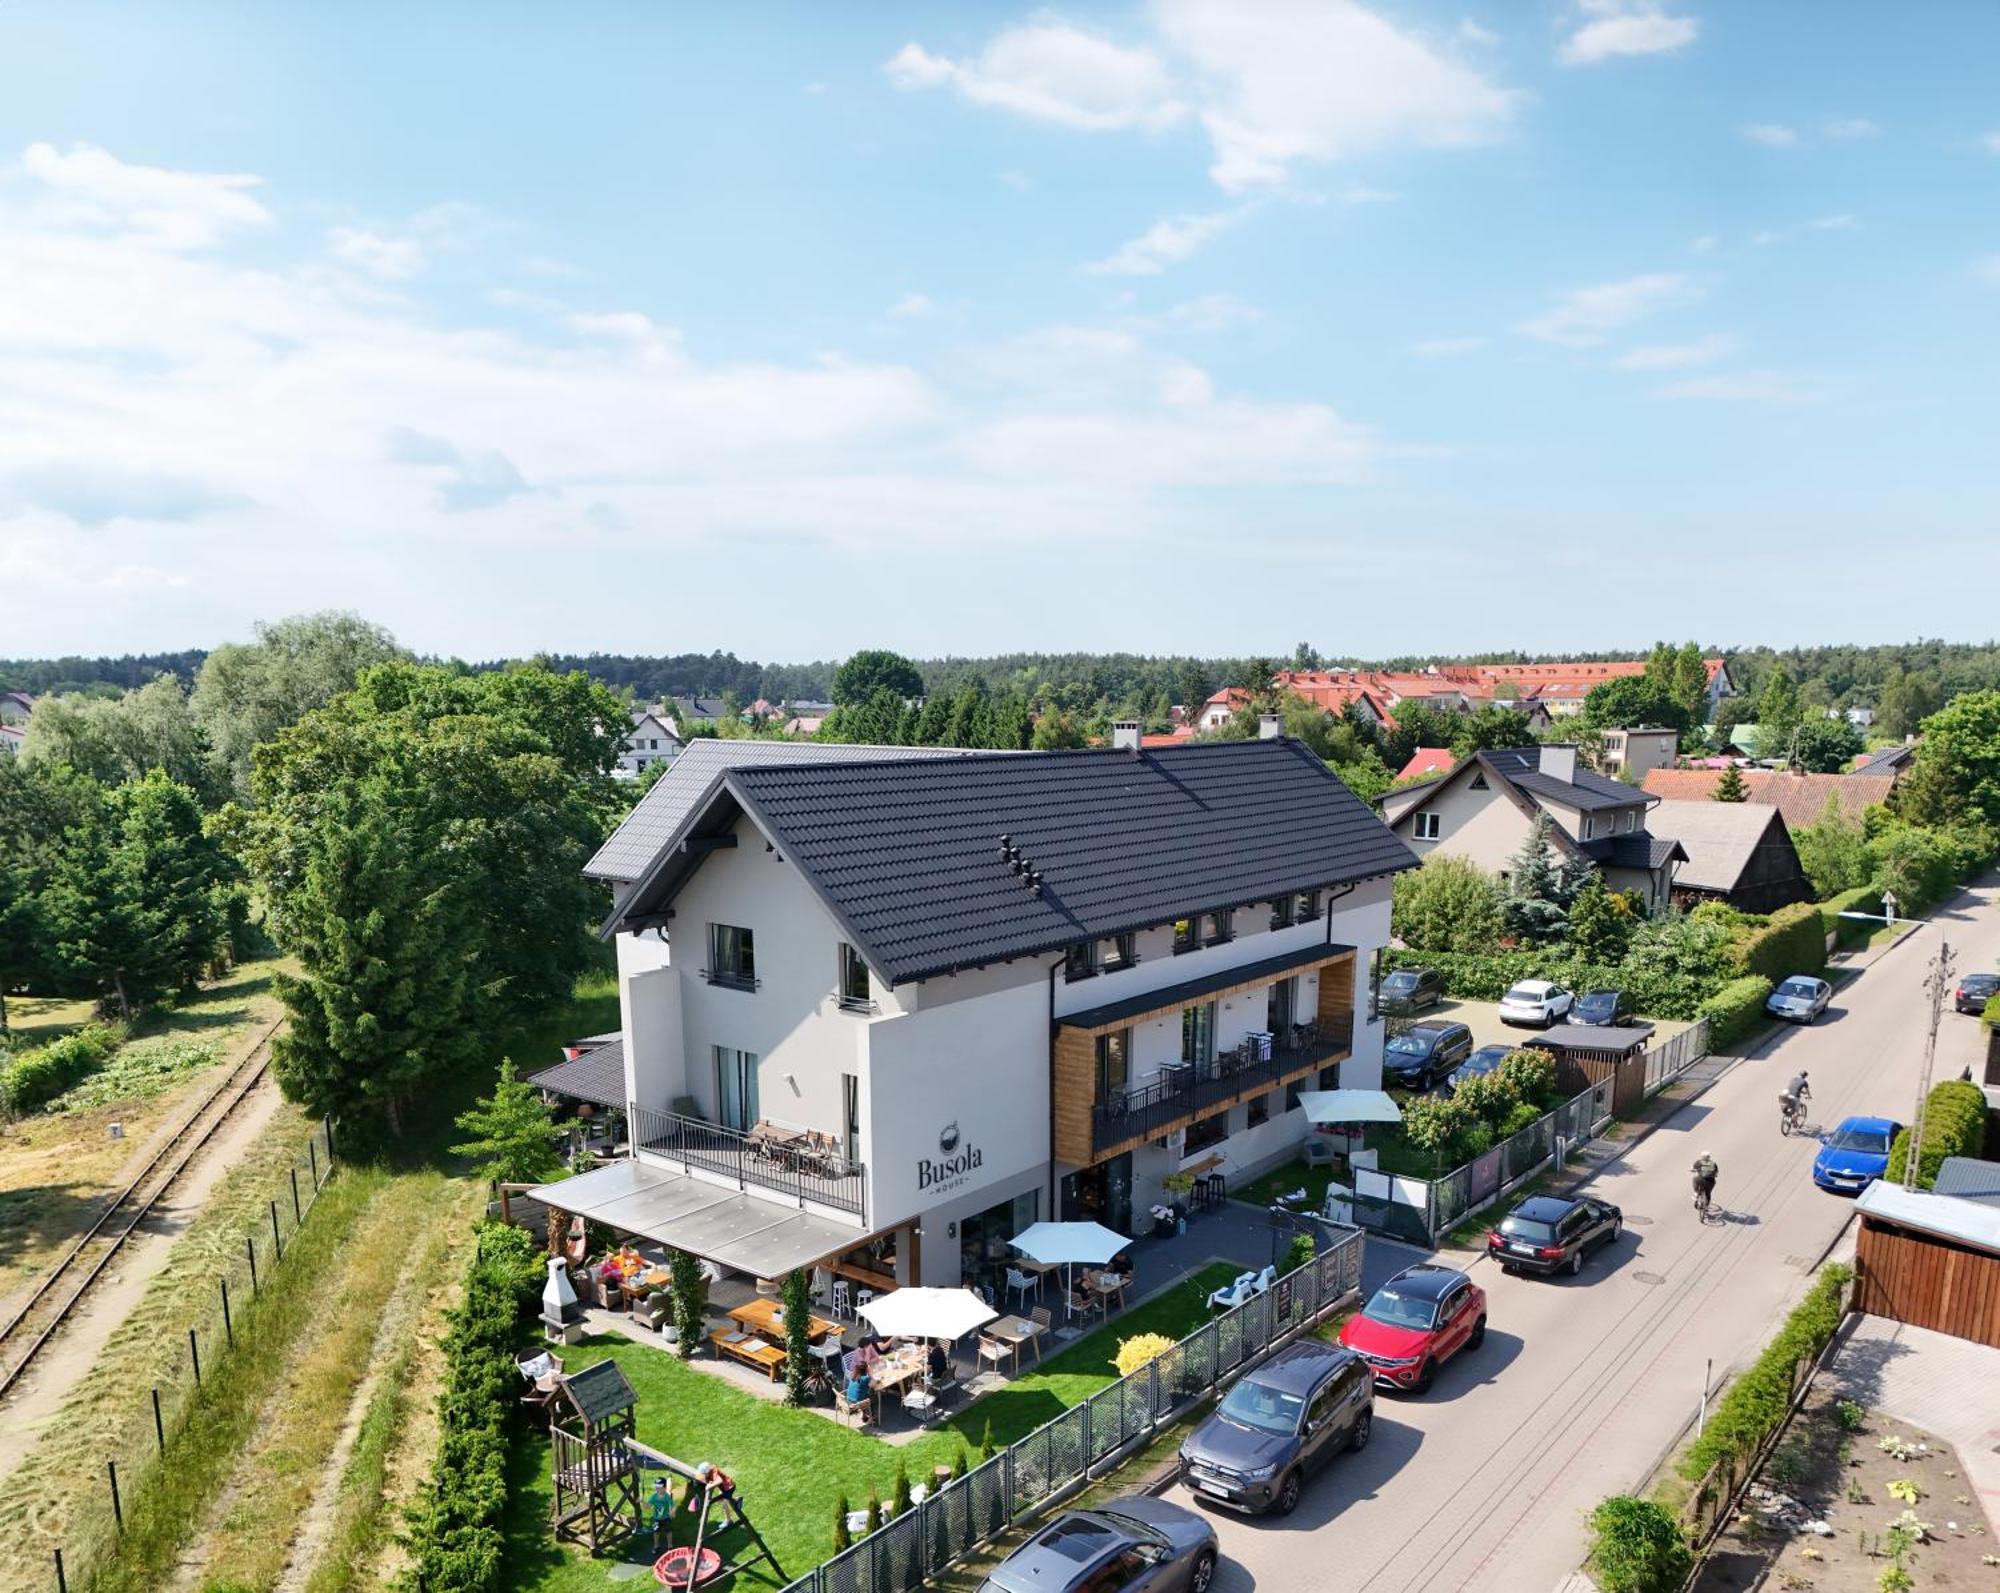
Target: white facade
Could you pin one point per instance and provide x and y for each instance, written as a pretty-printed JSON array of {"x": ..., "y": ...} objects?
[
  {"x": 650, "y": 741},
  {"x": 1630, "y": 753}
]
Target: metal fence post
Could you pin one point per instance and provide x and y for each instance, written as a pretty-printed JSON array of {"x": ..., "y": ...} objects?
[
  {"x": 62, "y": 1582},
  {"x": 312, "y": 1156},
  {"x": 277, "y": 1240},
  {"x": 297, "y": 1215},
  {"x": 327, "y": 1124},
  {"x": 228, "y": 1327},
  {"x": 194, "y": 1354},
  {"x": 117, "y": 1504},
  {"x": 159, "y": 1427},
  {"x": 250, "y": 1249}
]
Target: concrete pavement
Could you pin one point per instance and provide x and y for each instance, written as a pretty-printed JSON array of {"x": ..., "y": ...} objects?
[{"x": 1583, "y": 1384}]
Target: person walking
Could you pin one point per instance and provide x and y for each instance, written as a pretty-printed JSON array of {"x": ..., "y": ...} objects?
[{"x": 660, "y": 1512}]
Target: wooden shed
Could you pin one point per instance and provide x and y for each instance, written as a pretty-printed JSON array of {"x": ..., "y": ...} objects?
[
  {"x": 1930, "y": 1260},
  {"x": 1588, "y": 1054}
]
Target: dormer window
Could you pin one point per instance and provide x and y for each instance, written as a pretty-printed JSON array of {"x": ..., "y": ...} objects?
[
  {"x": 1217, "y": 928},
  {"x": 1117, "y": 951},
  {"x": 1080, "y": 961},
  {"x": 1426, "y": 827}
]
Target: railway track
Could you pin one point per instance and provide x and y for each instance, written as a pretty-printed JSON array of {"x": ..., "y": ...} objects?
[{"x": 40, "y": 1317}]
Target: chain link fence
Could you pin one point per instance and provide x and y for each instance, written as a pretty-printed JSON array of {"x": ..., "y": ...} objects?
[
  {"x": 131, "y": 1443},
  {"x": 1026, "y": 1476}
]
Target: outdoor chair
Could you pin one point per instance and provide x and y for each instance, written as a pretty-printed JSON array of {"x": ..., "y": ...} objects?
[
  {"x": 1318, "y": 1151},
  {"x": 843, "y": 1407},
  {"x": 992, "y": 1352},
  {"x": 1041, "y": 1318},
  {"x": 1021, "y": 1283},
  {"x": 1082, "y": 1303}
]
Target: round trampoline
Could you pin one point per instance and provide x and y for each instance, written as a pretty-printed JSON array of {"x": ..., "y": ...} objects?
[{"x": 679, "y": 1568}]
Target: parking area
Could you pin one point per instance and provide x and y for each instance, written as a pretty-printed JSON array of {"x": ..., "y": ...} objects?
[{"x": 1483, "y": 1019}]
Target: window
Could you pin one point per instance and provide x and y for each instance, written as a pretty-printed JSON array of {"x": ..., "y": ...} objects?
[
  {"x": 732, "y": 957},
  {"x": 1080, "y": 961},
  {"x": 1114, "y": 1064},
  {"x": 1184, "y": 935},
  {"x": 1427, "y": 827},
  {"x": 1279, "y": 1001},
  {"x": 1117, "y": 951},
  {"x": 1260, "y": 1110},
  {"x": 1589, "y": 826},
  {"x": 1478, "y": 783},
  {"x": 855, "y": 992},
  {"x": 850, "y": 1115},
  {"x": 1291, "y": 1097},
  {"x": 1198, "y": 1034},
  {"x": 1209, "y": 1131},
  {"x": 1218, "y": 928},
  {"x": 1308, "y": 907},
  {"x": 736, "y": 1088},
  {"x": 1631, "y": 820},
  {"x": 1281, "y": 912}
]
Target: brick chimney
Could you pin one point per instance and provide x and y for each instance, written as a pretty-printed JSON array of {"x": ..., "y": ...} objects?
[
  {"x": 1559, "y": 762},
  {"x": 1125, "y": 735}
]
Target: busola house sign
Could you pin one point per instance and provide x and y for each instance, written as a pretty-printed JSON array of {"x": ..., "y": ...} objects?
[{"x": 955, "y": 1160}]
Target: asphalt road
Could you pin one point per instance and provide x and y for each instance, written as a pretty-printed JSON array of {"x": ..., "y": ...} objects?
[{"x": 1584, "y": 1383}]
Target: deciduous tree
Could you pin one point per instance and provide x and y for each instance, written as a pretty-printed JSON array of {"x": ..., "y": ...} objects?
[
  {"x": 510, "y": 1134},
  {"x": 1449, "y": 904},
  {"x": 872, "y": 670}
]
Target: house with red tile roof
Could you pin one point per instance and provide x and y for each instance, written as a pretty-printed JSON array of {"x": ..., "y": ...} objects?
[
  {"x": 1801, "y": 798},
  {"x": 1428, "y": 761}
]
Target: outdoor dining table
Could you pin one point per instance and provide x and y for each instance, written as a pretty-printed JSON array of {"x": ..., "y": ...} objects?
[
  {"x": 891, "y": 1374},
  {"x": 768, "y": 1318},
  {"x": 1014, "y": 1331},
  {"x": 1106, "y": 1286}
]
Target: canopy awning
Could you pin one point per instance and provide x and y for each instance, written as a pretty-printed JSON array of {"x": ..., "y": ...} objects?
[
  {"x": 1350, "y": 1106},
  {"x": 732, "y": 1229},
  {"x": 596, "y": 1074},
  {"x": 927, "y": 1313},
  {"x": 1086, "y": 1244}
]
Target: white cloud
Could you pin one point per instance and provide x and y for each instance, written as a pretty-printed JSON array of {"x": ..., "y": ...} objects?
[
  {"x": 1019, "y": 181},
  {"x": 1707, "y": 243},
  {"x": 1052, "y": 72},
  {"x": 814, "y": 88},
  {"x": 1166, "y": 243},
  {"x": 1444, "y": 348},
  {"x": 1587, "y": 316},
  {"x": 1205, "y": 313},
  {"x": 1992, "y": 143},
  {"x": 1845, "y": 129},
  {"x": 1748, "y": 387},
  {"x": 89, "y": 187},
  {"x": 1772, "y": 135},
  {"x": 1284, "y": 84},
  {"x": 1614, "y": 28},
  {"x": 912, "y": 307},
  {"x": 1677, "y": 356},
  {"x": 1843, "y": 222},
  {"x": 378, "y": 254}
]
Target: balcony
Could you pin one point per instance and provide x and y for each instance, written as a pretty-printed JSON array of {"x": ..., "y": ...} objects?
[
  {"x": 1186, "y": 1090},
  {"x": 793, "y": 1166}
]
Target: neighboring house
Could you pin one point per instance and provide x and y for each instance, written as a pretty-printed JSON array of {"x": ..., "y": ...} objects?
[
  {"x": 1860, "y": 718},
  {"x": 1743, "y": 741},
  {"x": 1632, "y": 752},
  {"x": 1737, "y": 852},
  {"x": 15, "y": 707},
  {"x": 804, "y": 724},
  {"x": 1801, "y": 798},
  {"x": 1542, "y": 691},
  {"x": 1222, "y": 707},
  {"x": 1427, "y": 761},
  {"x": 689, "y": 712},
  {"x": 1336, "y": 691},
  {"x": 11, "y": 738},
  {"x": 1562, "y": 687},
  {"x": 651, "y": 740},
  {"x": 1884, "y": 760},
  {"x": 1485, "y": 808},
  {"x": 971, "y": 990}
]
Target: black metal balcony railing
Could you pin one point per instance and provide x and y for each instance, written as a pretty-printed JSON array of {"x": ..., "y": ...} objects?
[
  {"x": 796, "y": 1168},
  {"x": 728, "y": 980},
  {"x": 1186, "y": 1089}
]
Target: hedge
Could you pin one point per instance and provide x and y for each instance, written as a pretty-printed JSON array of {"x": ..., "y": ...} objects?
[
  {"x": 1735, "y": 1009},
  {"x": 1756, "y": 1403},
  {"x": 38, "y": 1076},
  {"x": 1471, "y": 976},
  {"x": 1862, "y": 899},
  {"x": 457, "y": 1529},
  {"x": 1793, "y": 942},
  {"x": 1954, "y": 1125}
]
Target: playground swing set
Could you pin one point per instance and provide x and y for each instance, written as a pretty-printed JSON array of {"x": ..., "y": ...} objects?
[{"x": 597, "y": 1464}]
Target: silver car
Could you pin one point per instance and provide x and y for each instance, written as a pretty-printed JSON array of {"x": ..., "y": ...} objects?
[
  {"x": 1800, "y": 999},
  {"x": 1141, "y": 1545}
]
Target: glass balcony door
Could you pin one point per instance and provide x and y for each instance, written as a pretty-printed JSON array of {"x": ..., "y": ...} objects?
[{"x": 736, "y": 1088}]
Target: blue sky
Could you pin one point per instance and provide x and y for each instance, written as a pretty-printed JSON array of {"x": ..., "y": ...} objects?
[{"x": 1199, "y": 325}]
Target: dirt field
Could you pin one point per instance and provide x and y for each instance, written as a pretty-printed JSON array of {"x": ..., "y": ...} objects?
[{"x": 1826, "y": 1470}]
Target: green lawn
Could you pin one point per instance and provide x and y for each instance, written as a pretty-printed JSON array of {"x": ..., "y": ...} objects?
[{"x": 792, "y": 1466}]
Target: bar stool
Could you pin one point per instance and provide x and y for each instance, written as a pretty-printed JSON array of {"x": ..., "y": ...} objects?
[{"x": 1214, "y": 1189}]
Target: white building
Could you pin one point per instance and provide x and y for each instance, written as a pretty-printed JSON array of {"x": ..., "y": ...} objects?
[
  {"x": 651, "y": 740},
  {"x": 884, "y": 1007},
  {"x": 1629, "y": 753}
]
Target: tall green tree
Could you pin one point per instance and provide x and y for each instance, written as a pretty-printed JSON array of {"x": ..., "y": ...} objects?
[
  {"x": 1730, "y": 787},
  {"x": 1533, "y": 910},
  {"x": 182, "y": 875},
  {"x": 1633, "y": 700},
  {"x": 872, "y": 670},
  {"x": 1450, "y": 904},
  {"x": 1956, "y": 772},
  {"x": 1833, "y": 850},
  {"x": 1600, "y": 925},
  {"x": 104, "y": 939},
  {"x": 510, "y": 1134},
  {"x": 1690, "y": 685},
  {"x": 1779, "y": 713},
  {"x": 1906, "y": 701},
  {"x": 115, "y": 739},
  {"x": 1826, "y": 746}
]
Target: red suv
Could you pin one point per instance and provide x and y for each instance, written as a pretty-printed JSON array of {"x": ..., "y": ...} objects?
[{"x": 1417, "y": 1321}]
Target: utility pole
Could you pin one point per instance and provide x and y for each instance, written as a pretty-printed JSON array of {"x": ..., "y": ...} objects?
[{"x": 1937, "y": 986}]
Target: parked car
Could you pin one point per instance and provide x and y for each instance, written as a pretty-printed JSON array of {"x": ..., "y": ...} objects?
[
  {"x": 1129, "y": 1543},
  {"x": 1800, "y": 999},
  {"x": 1484, "y": 1060},
  {"x": 1409, "y": 990},
  {"x": 1535, "y": 1003},
  {"x": 1415, "y": 1322},
  {"x": 1425, "y": 1054},
  {"x": 1603, "y": 1009},
  {"x": 1855, "y": 1154},
  {"x": 1975, "y": 990},
  {"x": 1551, "y": 1233},
  {"x": 1291, "y": 1415}
]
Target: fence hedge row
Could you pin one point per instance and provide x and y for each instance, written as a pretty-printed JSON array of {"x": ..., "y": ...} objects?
[
  {"x": 36, "y": 1077},
  {"x": 457, "y": 1529},
  {"x": 1954, "y": 1125},
  {"x": 1487, "y": 976},
  {"x": 1735, "y": 1009},
  {"x": 1793, "y": 942}
]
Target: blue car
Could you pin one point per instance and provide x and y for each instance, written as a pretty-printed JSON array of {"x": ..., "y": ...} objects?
[{"x": 1854, "y": 1155}]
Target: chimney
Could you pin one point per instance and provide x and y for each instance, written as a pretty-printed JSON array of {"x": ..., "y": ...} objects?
[
  {"x": 1559, "y": 762},
  {"x": 1125, "y": 735},
  {"x": 1269, "y": 727}
]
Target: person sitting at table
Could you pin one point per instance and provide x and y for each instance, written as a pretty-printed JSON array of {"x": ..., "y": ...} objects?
[
  {"x": 937, "y": 1363},
  {"x": 1122, "y": 1265},
  {"x": 857, "y": 1379},
  {"x": 870, "y": 1351}
]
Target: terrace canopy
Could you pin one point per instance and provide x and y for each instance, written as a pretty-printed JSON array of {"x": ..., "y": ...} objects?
[{"x": 732, "y": 1229}]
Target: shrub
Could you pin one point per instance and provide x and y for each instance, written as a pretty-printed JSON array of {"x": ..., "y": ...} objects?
[
  {"x": 1757, "y": 1402},
  {"x": 1636, "y": 1546},
  {"x": 1135, "y": 1352},
  {"x": 842, "y": 1538},
  {"x": 457, "y": 1530},
  {"x": 1862, "y": 899},
  {"x": 1954, "y": 1125},
  {"x": 1450, "y": 904},
  {"x": 36, "y": 1077},
  {"x": 690, "y": 1291},
  {"x": 1529, "y": 1075},
  {"x": 899, "y": 1494},
  {"x": 1298, "y": 1253},
  {"x": 1920, "y": 866},
  {"x": 1735, "y": 1009},
  {"x": 1793, "y": 942}
]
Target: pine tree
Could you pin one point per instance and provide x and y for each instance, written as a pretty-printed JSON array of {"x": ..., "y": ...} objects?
[
  {"x": 180, "y": 872},
  {"x": 1730, "y": 787},
  {"x": 1600, "y": 926},
  {"x": 106, "y": 940},
  {"x": 842, "y": 1538},
  {"x": 1533, "y": 909},
  {"x": 512, "y": 1135}
]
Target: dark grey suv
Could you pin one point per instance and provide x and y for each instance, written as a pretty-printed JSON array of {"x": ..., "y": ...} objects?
[
  {"x": 1290, "y": 1416},
  {"x": 1126, "y": 1546}
]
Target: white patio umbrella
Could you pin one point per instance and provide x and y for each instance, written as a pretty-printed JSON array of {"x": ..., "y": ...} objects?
[
  {"x": 1066, "y": 1244},
  {"x": 1350, "y": 1106},
  {"x": 927, "y": 1313}
]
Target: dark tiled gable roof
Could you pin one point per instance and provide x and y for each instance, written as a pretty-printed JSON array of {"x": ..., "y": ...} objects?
[
  {"x": 908, "y": 854},
  {"x": 1587, "y": 791}
]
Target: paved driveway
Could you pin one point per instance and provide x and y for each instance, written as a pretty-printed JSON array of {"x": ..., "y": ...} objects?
[
  {"x": 1483, "y": 1019},
  {"x": 1583, "y": 1384}
]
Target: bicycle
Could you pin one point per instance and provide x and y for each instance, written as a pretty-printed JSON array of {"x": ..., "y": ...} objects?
[
  {"x": 1703, "y": 1195},
  {"x": 1791, "y": 1115}
]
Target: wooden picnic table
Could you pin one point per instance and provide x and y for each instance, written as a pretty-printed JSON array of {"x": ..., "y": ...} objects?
[
  {"x": 750, "y": 1350},
  {"x": 1014, "y": 1331},
  {"x": 765, "y": 1317}
]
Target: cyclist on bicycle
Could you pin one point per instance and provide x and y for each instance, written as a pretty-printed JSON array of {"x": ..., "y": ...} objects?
[
  {"x": 1792, "y": 1104},
  {"x": 1705, "y": 1170}
]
